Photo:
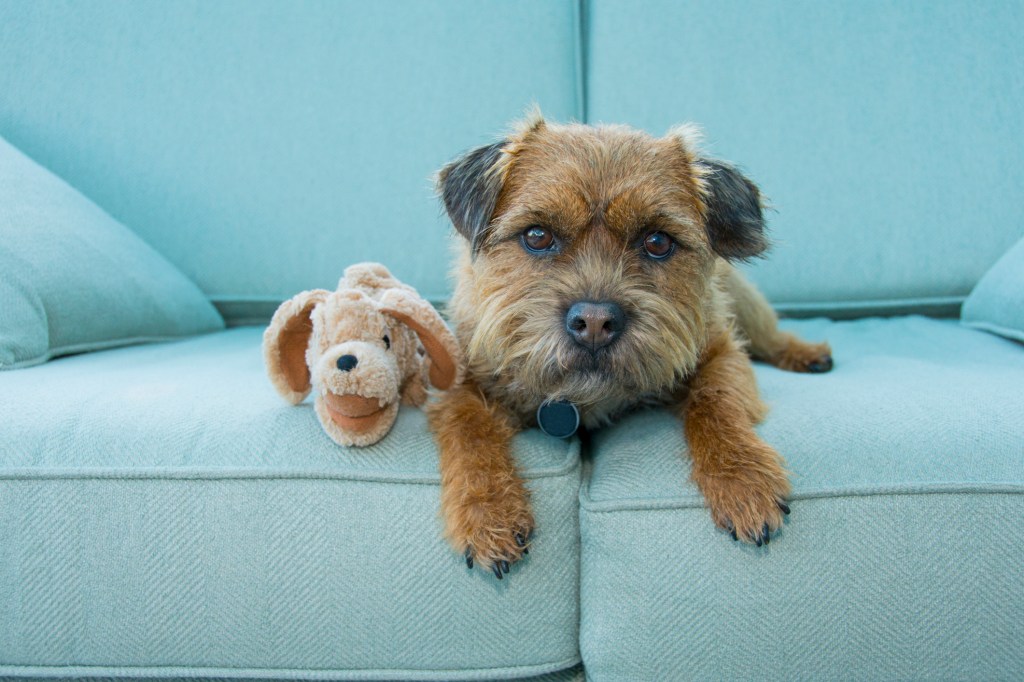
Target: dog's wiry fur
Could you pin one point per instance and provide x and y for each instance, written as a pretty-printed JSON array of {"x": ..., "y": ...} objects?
[{"x": 600, "y": 190}]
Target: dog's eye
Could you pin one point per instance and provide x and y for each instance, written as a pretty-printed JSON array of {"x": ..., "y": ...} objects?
[
  {"x": 658, "y": 245},
  {"x": 387, "y": 342},
  {"x": 538, "y": 239}
]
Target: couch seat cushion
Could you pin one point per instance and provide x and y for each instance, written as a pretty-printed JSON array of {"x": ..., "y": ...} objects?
[
  {"x": 900, "y": 558},
  {"x": 162, "y": 510}
]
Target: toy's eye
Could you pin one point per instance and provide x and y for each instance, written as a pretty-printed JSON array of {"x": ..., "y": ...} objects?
[
  {"x": 387, "y": 342},
  {"x": 538, "y": 239},
  {"x": 658, "y": 245}
]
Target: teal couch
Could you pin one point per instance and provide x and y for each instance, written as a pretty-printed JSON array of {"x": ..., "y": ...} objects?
[{"x": 163, "y": 514}]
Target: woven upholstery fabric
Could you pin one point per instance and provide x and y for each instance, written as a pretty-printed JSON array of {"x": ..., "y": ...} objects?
[
  {"x": 73, "y": 279},
  {"x": 164, "y": 512},
  {"x": 262, "y": 146},
  {"x": 899, "y": 561},
  {"x": 574, "y": 674},
  {"x": 878, "y": 130},
  {"x": 997, "y": 303}
]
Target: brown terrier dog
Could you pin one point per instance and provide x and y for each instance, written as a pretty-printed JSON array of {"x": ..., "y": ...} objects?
[{"x": 595, "y": 272}]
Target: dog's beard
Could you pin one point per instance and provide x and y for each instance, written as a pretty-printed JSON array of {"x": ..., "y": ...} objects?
[{"x": 523, "y": 343}]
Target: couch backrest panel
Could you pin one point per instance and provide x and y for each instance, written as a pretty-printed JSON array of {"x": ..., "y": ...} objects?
[
  {"x": 263, "y": 146},
  {"x": 886, "y": 134}
]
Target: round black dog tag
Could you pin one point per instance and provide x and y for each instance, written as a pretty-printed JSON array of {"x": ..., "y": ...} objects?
[{"x": 558, "y": 418}]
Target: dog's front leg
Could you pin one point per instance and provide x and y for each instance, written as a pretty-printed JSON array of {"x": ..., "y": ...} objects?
[
  {"x": 485, "y": 504},
  {"x": 741, "y": 476}
]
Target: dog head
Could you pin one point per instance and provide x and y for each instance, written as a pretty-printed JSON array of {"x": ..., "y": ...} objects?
[
  {"x": 589, "y": 256},
  {"x": 358, "y": 347}
]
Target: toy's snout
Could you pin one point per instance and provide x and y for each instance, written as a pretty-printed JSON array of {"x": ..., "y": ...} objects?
[
  {"x": 358, "y": 367},
  {"x": 354, "y": 413},
  {"x": 359, "y": 383}
]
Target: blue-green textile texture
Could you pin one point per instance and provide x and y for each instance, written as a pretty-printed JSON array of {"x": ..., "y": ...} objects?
[
  {"x": 574, "y": 674},
  {"x": 901, "y": 558},
  {"x": 997, "y": 302},
  {"x": 262, "y": 146},
  {"x": 73, "y": 279},
  {"x": 884, "y": 133},
  {"x": 163, "y": 511}
]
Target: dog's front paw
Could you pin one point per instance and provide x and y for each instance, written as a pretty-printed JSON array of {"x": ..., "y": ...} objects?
[
  {"x": 747, "y": 495},
  {"x": 492, "y": 532}
]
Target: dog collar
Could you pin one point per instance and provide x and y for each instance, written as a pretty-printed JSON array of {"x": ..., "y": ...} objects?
[{"x": 558, "y": 418}]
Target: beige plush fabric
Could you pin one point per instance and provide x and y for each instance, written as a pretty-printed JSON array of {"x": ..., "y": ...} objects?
[{"x": 363, "y": 350}]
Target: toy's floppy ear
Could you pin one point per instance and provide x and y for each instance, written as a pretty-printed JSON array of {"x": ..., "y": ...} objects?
[
  {"x": 285, "y": 342},
  {"x": 417, "y": 314},
  {"x": 734, "y": 220}
]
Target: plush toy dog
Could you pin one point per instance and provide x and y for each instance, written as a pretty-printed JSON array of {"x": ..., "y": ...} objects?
[{"x": 365, "y": 348}]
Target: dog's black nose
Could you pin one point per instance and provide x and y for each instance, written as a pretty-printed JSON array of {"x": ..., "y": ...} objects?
[
  {"x": 595, "y": 325},
  {"x": 347, "y": 362}
]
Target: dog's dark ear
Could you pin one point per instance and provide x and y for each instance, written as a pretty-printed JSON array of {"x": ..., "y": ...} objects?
[
  {"x": 469, "y": 188},
  {"x": 735, "y": 222}
]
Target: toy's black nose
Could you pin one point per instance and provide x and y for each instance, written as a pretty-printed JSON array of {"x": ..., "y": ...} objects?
[
  {"x": 347, "y": 362},
  {"x": 595, "y": 325}
]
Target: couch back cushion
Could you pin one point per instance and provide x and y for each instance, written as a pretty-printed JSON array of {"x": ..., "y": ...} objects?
[
  {"x": 262, "y": 147},
  {"x": 73, "y": 279},
  {"x": 886, "y": 134}
]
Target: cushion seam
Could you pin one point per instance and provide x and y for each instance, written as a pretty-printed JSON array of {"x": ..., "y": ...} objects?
[
  {"x": 782, "y": 305},
  {"x": 571, "y": 463},
  {"x": 260, "y": 298},
  {"x": 581, "y": 63},
  {"x": 654, "y": 504},
  {"x": 110, "y": 344},
  {"x": 325, "y": 673},
  {"x": 871, "y": 303},
  {"x": 997, "y": 329},
  {"x": 855, "y": 302}
]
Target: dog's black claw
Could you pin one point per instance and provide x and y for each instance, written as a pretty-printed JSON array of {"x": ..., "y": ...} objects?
[
  {"x": 497, "y": 571},
  {"x": 784, "y": 507},
  {"x": 504, "y": 566},
  {"x": 732, "y": 532},
  {"x": 526, "y": 550},
  {"x": 766, "y": 534},
  {"x": 821, "y": 365},
  {"x": 520, "y": 540},
  {"x": 758, "y": 539},
  {"x": 469, "y": 558}
]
